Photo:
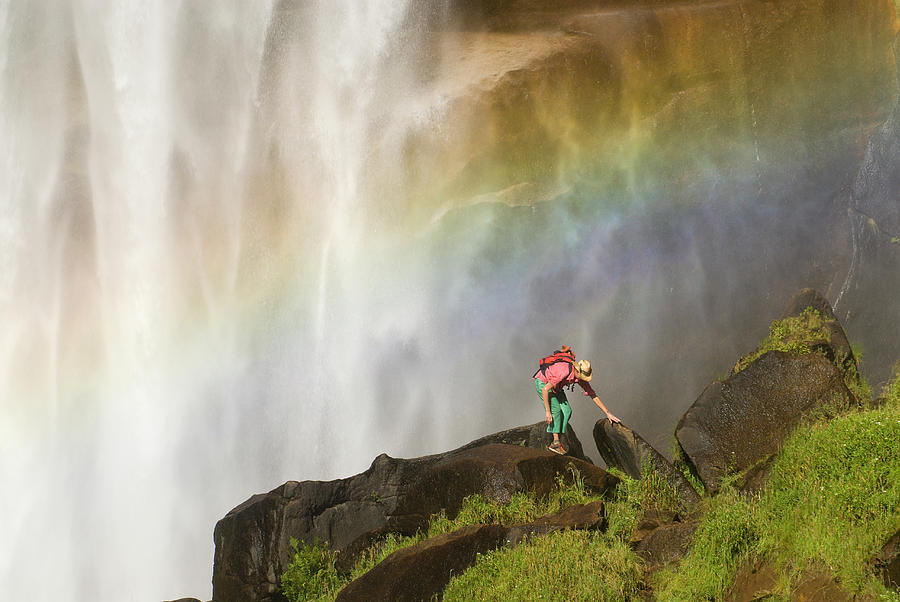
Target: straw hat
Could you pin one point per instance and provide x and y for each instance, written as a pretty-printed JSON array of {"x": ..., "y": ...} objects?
[{"x": 583, "y": 370}]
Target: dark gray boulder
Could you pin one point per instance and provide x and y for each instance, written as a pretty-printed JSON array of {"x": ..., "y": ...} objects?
[
  {"x": 422, "y": 571},
  {"x": 624, "y": 449},
  {"x": 737, "y": 423},
  {"x": 534, "y": 436},
  {"x": 252, "y": 542}
]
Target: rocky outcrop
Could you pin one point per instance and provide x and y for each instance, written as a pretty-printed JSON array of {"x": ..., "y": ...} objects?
[
  {"x": 887, "y": 562},
  {"x": 759, "y": 581},
  {"x": 534, "y": 436},
  {"x": 736, "y": 423},
  {"x": 394, "y": 495},
  {"x": 665, "y": 544},
  {"x": 624, "y": 449},
  {"x": 419, "y": 572}
]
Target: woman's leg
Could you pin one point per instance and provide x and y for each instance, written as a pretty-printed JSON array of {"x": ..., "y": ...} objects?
[
  {"x": 560, "y": 410},
  {"x": 566, "y": 411}
]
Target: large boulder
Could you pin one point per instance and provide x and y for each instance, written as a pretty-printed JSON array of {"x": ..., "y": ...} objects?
[
  {"x": 666, "y": 544},
  {"x": 534, "y": 436},
  {"x": 736, "y": 423},
  {"x": 422, "y": 571},
  {"x": 393, "y": 495},
  {"x": 624, "y": 449},
  {"x": 805, "y": 364}
]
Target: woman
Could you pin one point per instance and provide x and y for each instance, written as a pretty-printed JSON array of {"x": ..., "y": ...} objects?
[{"x": 549, "y": 383}]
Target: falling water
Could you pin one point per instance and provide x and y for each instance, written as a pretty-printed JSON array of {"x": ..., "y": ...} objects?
[{"x": 183, "y": 218}]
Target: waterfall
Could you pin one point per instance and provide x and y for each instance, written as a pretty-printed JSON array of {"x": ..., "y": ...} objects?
[{"x": 185, "y": 233}]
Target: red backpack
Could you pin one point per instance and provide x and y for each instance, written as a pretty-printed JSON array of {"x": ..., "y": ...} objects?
[{"x": 563, "y": 354}]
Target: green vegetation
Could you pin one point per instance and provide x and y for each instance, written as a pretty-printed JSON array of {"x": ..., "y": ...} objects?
[
  {"x": 723, "y": 540},
  {"x": 573, "y": 565},
  {"x": 833, "y": 498},
  {"x": 795, "y": 334},
  {"x": 791, "y": 335},
  {"x": 563, "y": 566},
  {"x": 311, "y": 575}
]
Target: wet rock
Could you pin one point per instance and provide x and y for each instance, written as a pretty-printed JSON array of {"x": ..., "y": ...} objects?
[
  {"x": 580, "y": 516},
  {"x": 754, "y": 479},
  {"x": 534, "y": 436},
  {"x": 393, "y": 495},
  {"x": 759, "y": 580},
  {"x": 866, "y": 289},
  {"x": 420, "y": 572},
  {"x": 808, "y": 297},
  {"x": 495, "y": 471},
  {"x": 737, "y": 423},
  {"x": 887, "y": 562},
  {"x": 423, "y": 570},
  {"x": 665, "y": 544},
  {"x": 624, "y": 449}
]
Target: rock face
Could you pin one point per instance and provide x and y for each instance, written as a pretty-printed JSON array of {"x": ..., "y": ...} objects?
[
  {"x": 887, "y": 562},
  {"x": 624, "y": 449},
  {"x": 736, "y": 423},
  {"x": 728, "y": 84},
  {"x": 757, "y": 581},
  {"x": 394, "y": 495},
  {"x": 665, "y": 544},
  {"x": 422, "y": 571},
  {"x": 866, "y": 290}
]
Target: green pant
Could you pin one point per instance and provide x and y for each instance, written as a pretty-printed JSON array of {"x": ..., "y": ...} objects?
[{"x": 559, "y": 407}]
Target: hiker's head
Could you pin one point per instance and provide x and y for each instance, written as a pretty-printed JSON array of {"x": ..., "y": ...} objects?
[{"x": 583, "y": 370}]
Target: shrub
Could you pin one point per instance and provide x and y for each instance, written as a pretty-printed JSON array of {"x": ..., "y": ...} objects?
[{"x": 311, "y": 575}]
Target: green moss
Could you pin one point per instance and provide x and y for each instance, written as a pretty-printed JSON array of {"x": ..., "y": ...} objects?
[{"x": 791, "y": 335}]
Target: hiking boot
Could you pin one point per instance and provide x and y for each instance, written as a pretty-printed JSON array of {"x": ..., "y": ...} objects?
[{"x": 557, "y": 448}]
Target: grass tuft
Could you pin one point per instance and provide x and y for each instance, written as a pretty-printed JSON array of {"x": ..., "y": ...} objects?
[{"x": 562, "y": 566}]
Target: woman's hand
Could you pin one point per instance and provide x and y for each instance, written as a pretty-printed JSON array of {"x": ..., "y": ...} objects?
[
  {"x": 613, "y": 419},
  {"x": 549, "y": 418}
]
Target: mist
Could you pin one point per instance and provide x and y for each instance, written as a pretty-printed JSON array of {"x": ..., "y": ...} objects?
[{"x": 242, "y": 244}]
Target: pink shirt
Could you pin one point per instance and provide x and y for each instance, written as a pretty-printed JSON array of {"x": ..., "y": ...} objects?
[{"x": 561, "y": 375}]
